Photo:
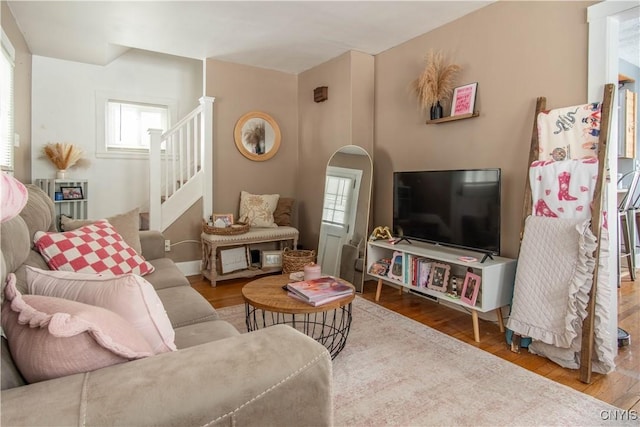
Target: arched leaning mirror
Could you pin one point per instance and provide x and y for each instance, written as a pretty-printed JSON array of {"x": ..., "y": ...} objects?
[{"x": 345, "y": 215}]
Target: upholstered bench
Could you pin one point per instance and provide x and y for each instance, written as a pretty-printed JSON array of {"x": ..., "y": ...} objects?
[{"x": 212, "y": 243}]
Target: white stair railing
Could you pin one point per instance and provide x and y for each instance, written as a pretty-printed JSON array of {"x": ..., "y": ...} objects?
[{"x": 181, "y": 167}]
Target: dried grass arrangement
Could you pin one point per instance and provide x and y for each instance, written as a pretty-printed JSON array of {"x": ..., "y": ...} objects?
[
  {"x": 436, "y": 82},
  {"x": 62, "y": 155},
  {"x": 255, "y": 135}
]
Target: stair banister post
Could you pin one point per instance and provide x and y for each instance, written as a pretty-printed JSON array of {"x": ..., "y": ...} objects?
[
  {"x": 206, "y": 147},
  {"x": 155, "y": 180}
]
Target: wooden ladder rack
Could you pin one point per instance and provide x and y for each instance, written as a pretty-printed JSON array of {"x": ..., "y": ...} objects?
[{"x": 588, "y": 326}]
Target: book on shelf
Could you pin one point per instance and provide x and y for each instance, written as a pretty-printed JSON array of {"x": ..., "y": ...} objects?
[
  {"x": 320, "y": 289},
  {"x": 424, "y": 269},
  {"x": 417, "y": 271}
]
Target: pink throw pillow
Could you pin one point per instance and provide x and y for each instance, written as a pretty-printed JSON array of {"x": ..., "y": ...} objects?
[
  {"x": 128, "y": 295},
  {"x": 14, "y": 196},
  {"x": 94, "y": 248},
  {"x": 53, "y": 337}
]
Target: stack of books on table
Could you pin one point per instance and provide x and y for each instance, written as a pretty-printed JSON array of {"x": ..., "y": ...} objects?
[{"x": 319, "y": 291}]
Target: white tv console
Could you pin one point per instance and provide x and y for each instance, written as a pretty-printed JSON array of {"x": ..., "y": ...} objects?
[{"x": 496, "y": 284}]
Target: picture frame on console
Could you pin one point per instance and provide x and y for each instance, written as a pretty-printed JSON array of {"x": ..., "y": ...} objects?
[
  {"x": 233, "y": 259},
  {"x": 439, "y": 277},
  {"x": 226, "y": 218},
  {"x": 271, "y": 259},
  {"x": 470, "y": 289}
]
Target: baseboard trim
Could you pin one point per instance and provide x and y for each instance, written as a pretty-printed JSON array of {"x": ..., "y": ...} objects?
[{"x": 189, "y": 268}]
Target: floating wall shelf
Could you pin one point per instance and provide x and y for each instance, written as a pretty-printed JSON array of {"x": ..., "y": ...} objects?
[{"x": 453, "y": 118}]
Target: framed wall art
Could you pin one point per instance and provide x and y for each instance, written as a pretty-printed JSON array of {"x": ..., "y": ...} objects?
[
  {"x": 464, "y": 99},
  {"x": 257, "y": 136},
  {"x": 233, "y": 259},
  {"x": 439, "y": 277},
  {"x": 470, "y": 289}
]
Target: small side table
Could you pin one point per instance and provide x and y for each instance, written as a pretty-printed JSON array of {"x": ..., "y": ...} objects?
[{"x": 267, "y": 304}]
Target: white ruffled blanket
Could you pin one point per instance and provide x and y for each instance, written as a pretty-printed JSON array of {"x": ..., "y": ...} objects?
[
  {"x": 555, "y": 267},
  {"x": 553, "y": 278}
]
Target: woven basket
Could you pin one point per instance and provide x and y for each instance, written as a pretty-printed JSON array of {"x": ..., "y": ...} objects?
[
  {"x": 237, "y": 228},
  {"x": 295, "y": 260}
]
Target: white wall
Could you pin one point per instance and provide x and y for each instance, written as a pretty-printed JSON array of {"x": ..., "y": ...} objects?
[{"x": 64, "y": 110}]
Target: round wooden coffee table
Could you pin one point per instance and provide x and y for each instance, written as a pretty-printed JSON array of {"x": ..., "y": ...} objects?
[{"x": 267, "y": 304}]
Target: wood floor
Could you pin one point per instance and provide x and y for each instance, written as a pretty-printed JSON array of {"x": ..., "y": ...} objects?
[{"x": 620, "y": 388}]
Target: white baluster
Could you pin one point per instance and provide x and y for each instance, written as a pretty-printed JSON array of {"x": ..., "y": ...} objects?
[
  {"x": 155, "y": 179},
  {"x": 206, "y": 146}
]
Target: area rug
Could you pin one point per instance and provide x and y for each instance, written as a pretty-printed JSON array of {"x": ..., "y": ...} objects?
[{"x": 395, "y": 371}]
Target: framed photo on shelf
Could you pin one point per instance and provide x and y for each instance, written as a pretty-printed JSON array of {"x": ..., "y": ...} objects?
[
  {"x": 395, "y": 270},
  {"x": 226, "y": 218},
  {"x": 380, "y": 267},
  {"x": 71, "y": 193},
  {"x": 439, "y": 277},
  {"x": 470, "y": 289},
  {"x": 464, "y": 99}
]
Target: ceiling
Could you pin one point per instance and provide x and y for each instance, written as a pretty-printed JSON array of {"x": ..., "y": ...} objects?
[{"x": 290, "y": 36}]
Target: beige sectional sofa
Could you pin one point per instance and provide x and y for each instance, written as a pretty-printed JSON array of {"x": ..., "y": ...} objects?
[{"x": 276, "y": 376}]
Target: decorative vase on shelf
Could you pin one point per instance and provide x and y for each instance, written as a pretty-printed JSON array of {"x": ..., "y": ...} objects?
[
  {"x": 61, "y": 174},
  {"x": 436, "y": 111}
]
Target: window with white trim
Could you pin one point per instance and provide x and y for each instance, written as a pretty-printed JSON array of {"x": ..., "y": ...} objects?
[
  {"x": 128, "y": 124},
  {"x": 123, "y": 122},
  {"x": 7, "y": 133}
]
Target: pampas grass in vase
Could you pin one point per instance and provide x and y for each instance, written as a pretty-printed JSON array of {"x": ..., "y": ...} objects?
[
  {"x": 63, "y": 156},
  {"x": 255, "y": 137},
  {"x": 435, "y": 84}
]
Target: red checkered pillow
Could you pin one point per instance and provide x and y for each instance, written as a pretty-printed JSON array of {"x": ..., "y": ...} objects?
[{"x": 94, "y": 248}]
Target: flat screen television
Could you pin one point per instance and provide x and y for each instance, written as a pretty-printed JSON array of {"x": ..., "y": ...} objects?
[{"x": 459, "y": 208}]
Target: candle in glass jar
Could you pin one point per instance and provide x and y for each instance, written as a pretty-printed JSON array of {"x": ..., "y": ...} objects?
[{"x": 311, "y": 271}]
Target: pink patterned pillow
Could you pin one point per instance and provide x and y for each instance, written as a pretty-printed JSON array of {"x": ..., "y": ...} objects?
[
  {"x": 94, "y": 248},
  {"x": 53, "y": 337},
  {"x": 128, "y": 295}
]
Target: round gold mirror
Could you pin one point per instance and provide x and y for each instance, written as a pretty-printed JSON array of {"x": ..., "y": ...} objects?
[{"x": 257, "y": 136}]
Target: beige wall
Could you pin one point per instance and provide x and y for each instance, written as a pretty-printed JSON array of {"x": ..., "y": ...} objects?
[
  {"x": 185, "y": 235},
  {"x": 311, "y": 133},
  {"x": 345, "y": 118},
  {"x": 22, "y": 95},
  {"x": 516, "y": 51},
  {"x": 239, "y": 89}
]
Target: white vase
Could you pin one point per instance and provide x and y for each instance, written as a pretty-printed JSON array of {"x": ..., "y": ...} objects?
[{"x": 61, "y": 174}]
